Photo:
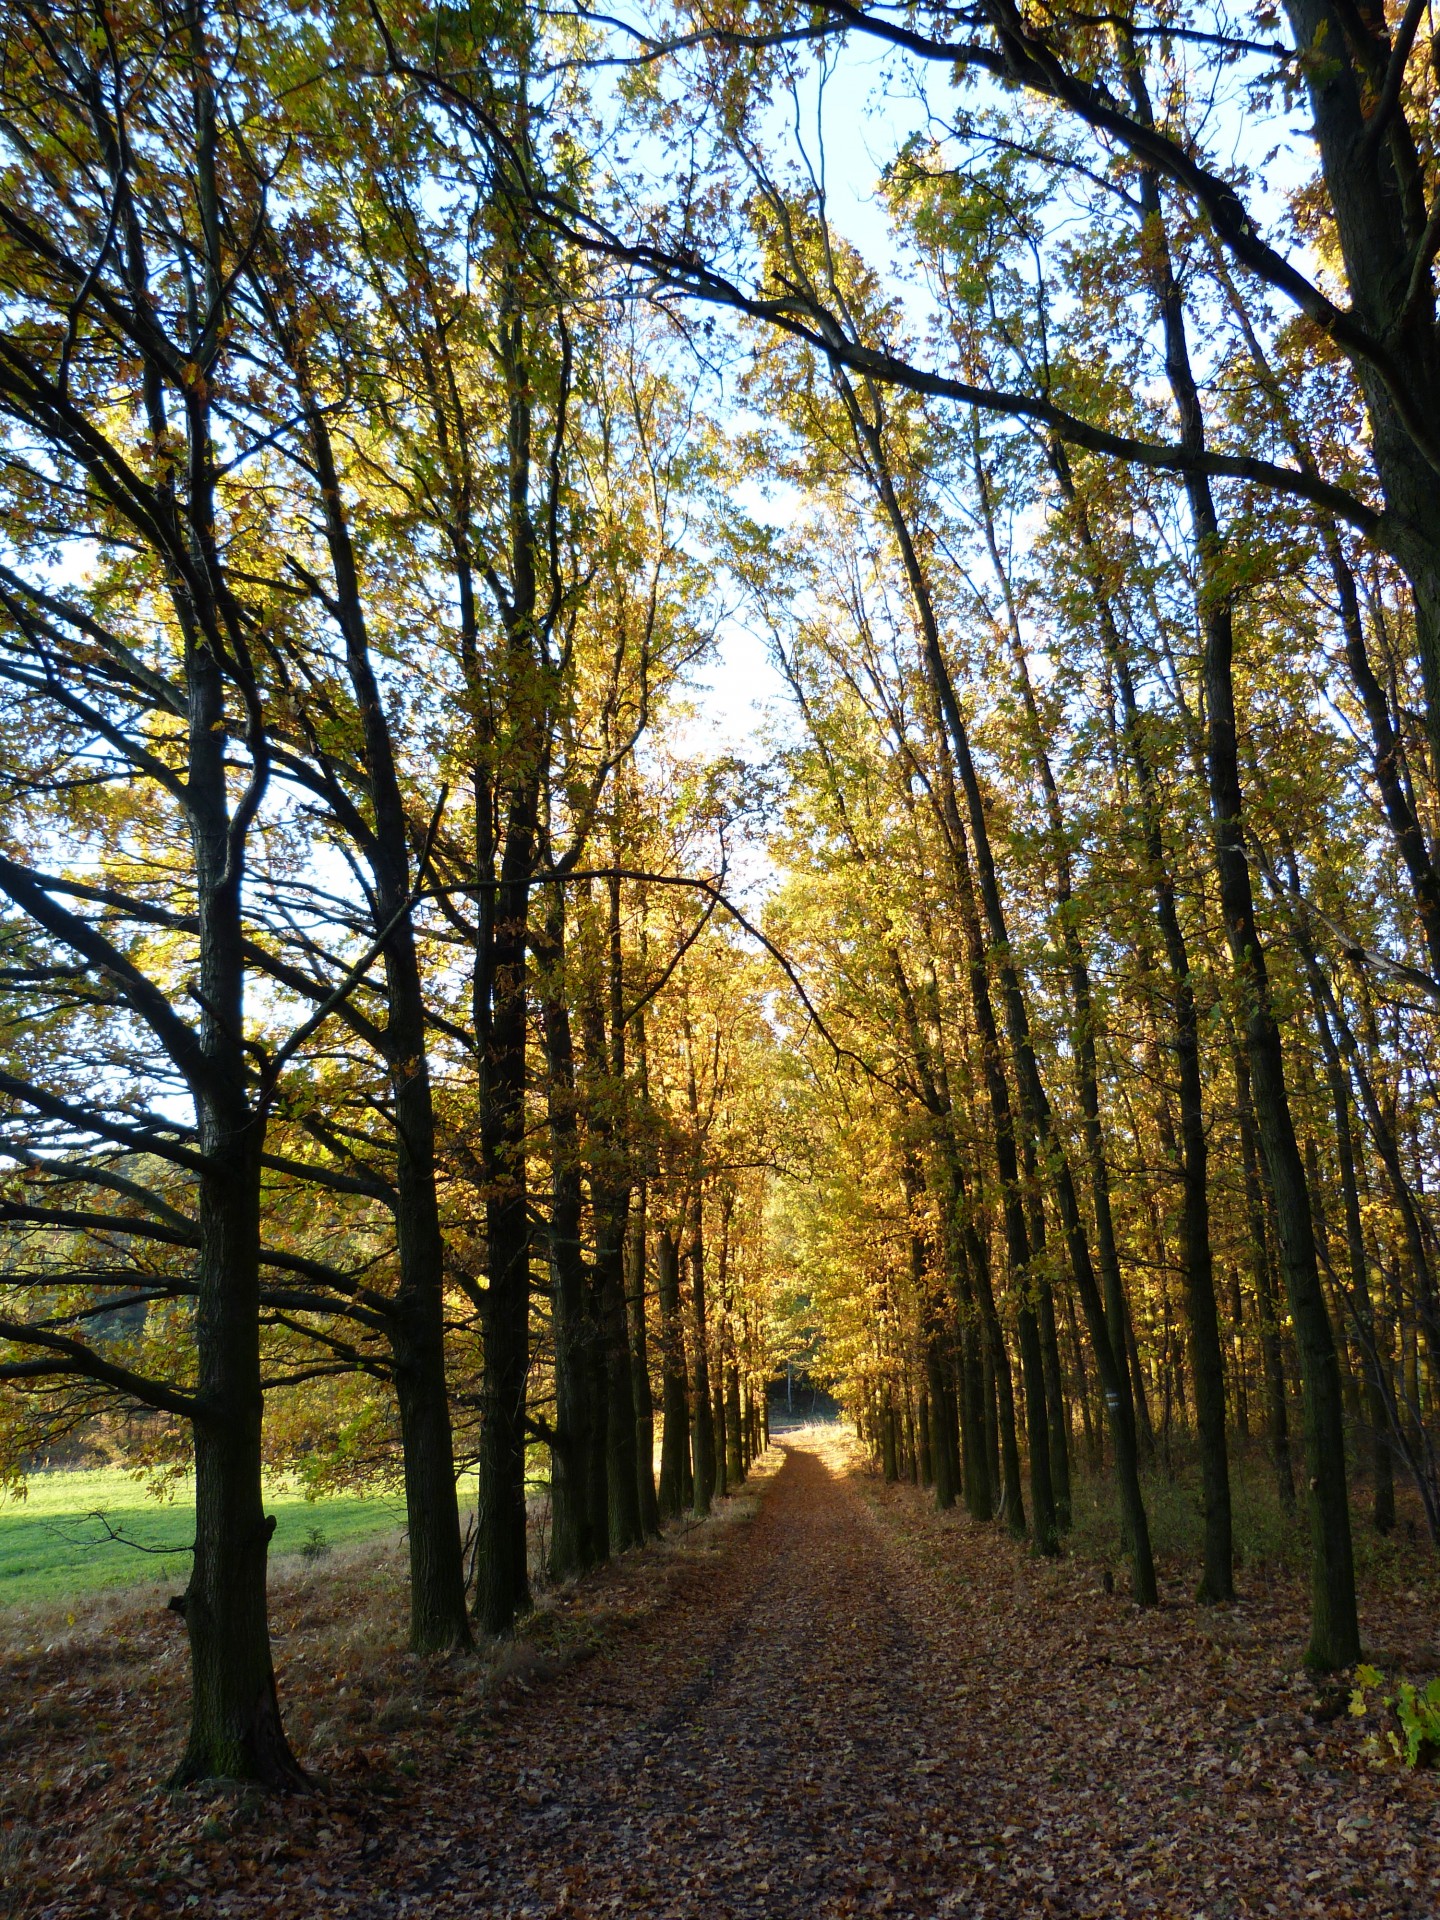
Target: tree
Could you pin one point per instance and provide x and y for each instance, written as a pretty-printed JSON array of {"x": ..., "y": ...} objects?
[{"x": 118, "y": 286}]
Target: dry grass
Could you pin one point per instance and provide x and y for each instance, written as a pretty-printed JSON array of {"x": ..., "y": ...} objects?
[{"x": 93, "y": 1702}]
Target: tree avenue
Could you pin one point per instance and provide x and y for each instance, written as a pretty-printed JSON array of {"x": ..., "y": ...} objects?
[{"x": 433, "y": 1054}]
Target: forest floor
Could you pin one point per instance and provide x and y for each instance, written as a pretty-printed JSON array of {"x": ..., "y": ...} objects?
[{"x": 830, "y": 1701}]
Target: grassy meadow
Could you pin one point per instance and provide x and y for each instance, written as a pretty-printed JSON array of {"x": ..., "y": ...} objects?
[{"x": 52, "y": 1547}]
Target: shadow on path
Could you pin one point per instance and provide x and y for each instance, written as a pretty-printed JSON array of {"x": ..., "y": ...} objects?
[
  {"x": 850, "y": 1706},
  {"x": 770, "y": 1750}
]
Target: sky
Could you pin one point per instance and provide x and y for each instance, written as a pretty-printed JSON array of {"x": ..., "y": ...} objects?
[{"x": 742, "y": 690}]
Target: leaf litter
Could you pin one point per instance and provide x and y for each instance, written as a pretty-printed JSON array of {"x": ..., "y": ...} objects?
[{"x": 830, "y": 1701}]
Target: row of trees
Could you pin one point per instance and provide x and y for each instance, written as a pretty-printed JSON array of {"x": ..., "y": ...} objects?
[
  {"x": 1105, "y": 596},
  {"x": 374, "y": 1094},
  {"x": 361, "y": 529}
]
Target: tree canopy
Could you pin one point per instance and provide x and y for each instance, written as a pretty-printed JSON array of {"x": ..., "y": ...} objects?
[{"x": 430, "y": 1052}]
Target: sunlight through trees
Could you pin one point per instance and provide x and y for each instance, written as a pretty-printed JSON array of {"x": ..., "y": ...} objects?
[{"x": 430, "y": 1059}]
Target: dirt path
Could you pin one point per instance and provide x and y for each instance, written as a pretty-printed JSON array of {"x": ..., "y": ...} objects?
[
  {"x": 844, "y": 1705},
  {"x": 856, "y": 1708},
  {"x": 793, "y": 1767}
]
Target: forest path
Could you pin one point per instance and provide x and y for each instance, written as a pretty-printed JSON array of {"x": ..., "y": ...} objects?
[
  {"x": 853, "y": 1706},
  {"x": 790, "y": 1765},
  {"x": 827, "y": 1701}
]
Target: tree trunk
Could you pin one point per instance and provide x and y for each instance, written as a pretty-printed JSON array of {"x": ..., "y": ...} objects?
[
  {"x": 502, "y": 1563},
  {"x": 500, "y": 997},
  {"x": 502, "y": 1566},
  {"x": 938, "y": 1469},
  {"x": 889, "y": 1437},
  {"x": 675, "y": 1395},
  {"x": 417, "y": 1321},
  {"x": 717, "y": 1426},
  {"x": 1003, "y": 1442},
  {"x": 1262, "y": 1279},
  {"x": 574, "y": 1544},
  {"x": 1207, "y": 1365},
  {"x": 622, "y": 1466},
  {"x": 235, "y": 1728},
  {"x": 1046, "y": 1536},
  {"x": 1237, "y": 1371},
  {"x": 702, "y": 1430},
  {"x": 1055, "y": 1407},
  {"x": 610, "y": 1194},
  {"x": 417, "y": 1333},
  {"x": 734, "y": 1443},
  {"x": 1094, "y": 1445},
  {"x": 1361, "y": 1300},
  {"x": 1335, "y": 1633},
  {"x": 437, "y": 1578},
  {"x": 640, "y": 1369},
  {"x": 975, "y": 1422}
]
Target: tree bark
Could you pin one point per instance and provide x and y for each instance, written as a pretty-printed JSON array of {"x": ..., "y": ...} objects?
[
  {"x": 640, "y": 1368},
  {"x": 1375, "y": 183},
  {"x": 502, "y": 1568},
  {"x": 702, "y": 1431},
  {"x": 507, "y": 788},
  {"x": 574, "y": 1542},
  {"x": 674, "y": 1494},
  {"x": 1262, "y": 1279},
  {"x": 235, "y": 1728},
  {"x": 417, "y": 1330},
  {"x": 1375, "y": 1365},
  {"x": 1335, "y": 1633},
  {"x": 1217, "y": 1580}
]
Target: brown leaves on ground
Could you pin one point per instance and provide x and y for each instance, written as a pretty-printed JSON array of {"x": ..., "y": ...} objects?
[{"x": 846, "y": 1704}]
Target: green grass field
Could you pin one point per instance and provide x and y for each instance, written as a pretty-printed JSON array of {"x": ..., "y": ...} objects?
[{"x": 51, "y": 1549}]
